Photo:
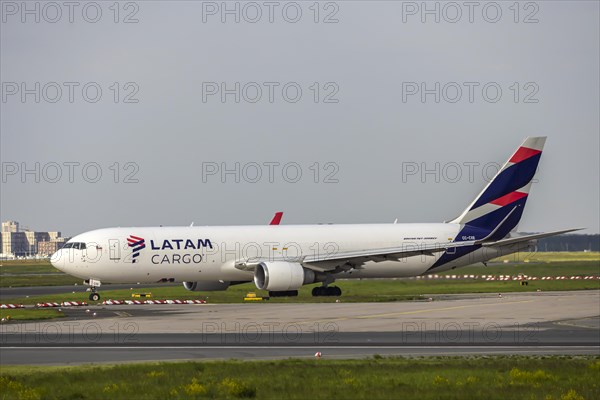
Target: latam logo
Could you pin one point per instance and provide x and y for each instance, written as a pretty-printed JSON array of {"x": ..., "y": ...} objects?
[
  {"x": 180, "y": 244},
  {"x": 137, "y": 243}
]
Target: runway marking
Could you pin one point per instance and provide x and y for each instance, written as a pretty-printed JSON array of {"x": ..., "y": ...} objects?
[
  {"x": 573, "y": 324},
  {"x": 122, "y": 314},
  {"x": 413, "y": 312}
]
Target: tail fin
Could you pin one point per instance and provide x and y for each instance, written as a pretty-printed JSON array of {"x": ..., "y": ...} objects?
[
  {"x": 498, "y": 208},
  {"x": 276, "y": 218}
]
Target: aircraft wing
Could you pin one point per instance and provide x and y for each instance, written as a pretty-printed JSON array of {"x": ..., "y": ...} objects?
[
  {"x": 329, "y": 261},
  {"x": 354, "y": 259}
]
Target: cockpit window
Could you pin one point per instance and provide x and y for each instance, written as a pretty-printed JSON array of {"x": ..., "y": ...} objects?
[{"x": 75, "y": 245}]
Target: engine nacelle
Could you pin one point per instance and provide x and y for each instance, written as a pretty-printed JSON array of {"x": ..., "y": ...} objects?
[
  {"x": 281, "y": 276},
  {"x": 206, "y": 286}
]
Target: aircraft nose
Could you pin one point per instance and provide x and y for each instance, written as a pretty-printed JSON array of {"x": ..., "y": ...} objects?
[{"x": 57, "y": 260}]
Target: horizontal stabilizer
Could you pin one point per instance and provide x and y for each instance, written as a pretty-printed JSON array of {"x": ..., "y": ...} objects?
[{"x": 526, "y": 238}]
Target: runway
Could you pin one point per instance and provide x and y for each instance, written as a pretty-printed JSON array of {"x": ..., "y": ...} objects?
[{"x": 524, "y": 323}]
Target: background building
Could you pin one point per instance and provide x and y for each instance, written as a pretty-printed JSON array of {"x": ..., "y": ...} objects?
[
  {"x": 47, "y": 248},
  {"x": 27, "y": 243},
  {"x": 10, "y": 226},
  {"x": 14, "y": 244}
]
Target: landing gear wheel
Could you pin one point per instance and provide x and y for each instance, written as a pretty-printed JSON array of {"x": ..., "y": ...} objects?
[
  {"x": 94, "y": 296},
  {"x": 329, "y": 291},
  {"x": 284, "y": 293}
]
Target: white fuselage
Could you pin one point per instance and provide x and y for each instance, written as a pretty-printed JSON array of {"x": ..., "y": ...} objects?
[{"x": 210, "y": 253}]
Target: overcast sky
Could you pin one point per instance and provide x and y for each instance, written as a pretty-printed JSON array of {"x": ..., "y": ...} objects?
[{"x": 386, "y": 94}]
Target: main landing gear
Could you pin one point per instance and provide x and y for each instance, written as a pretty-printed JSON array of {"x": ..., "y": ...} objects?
[{"x": 327, "y": 291}]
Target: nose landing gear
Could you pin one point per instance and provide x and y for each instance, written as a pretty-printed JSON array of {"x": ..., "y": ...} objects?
[{"x": 94, "y": 295}]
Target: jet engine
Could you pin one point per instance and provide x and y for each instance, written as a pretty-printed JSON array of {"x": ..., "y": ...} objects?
[
  {"x": 282, "y": 276},
  {"x": 206, "y": 286}
]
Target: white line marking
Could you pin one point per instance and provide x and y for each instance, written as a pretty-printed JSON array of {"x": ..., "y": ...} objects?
[{"x": 407, "y": 347}]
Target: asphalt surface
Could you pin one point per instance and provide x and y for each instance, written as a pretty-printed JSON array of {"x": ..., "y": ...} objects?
[
  {"x": 73, "y": 356},
  {"x": 17, "y": 292},
  {"x": 566, "y": 323}
]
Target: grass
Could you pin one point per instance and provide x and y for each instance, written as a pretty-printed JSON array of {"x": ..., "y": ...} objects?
[
  {"x": 371, "y": 290},
  {"x": 26, "y": 267},
  {"x": 353, "y": 291},
  {"x": 38, "y": 280},
  {"x": 539, "y": 269},
  {"x": 21, "y": 273},
  {"x": 23, "y": 314},
  {"x": 550, "y": 256},
  {"x": 549, "y": 378}
]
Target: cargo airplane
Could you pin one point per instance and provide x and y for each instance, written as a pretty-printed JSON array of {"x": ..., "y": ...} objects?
[{"x": 283, "y": 258}]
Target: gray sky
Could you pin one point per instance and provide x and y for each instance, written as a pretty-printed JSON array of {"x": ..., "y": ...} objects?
[{"x": 370, "y": 130}]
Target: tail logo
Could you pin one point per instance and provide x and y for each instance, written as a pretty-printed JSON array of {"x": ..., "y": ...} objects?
[
  {"x": 503, "y": 199},
  {"x": 498, "y": 208},
  {"x": 137, "y": 244}
]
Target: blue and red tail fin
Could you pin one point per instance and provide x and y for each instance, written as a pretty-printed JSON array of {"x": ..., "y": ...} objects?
[{"x": 498, "y": 208}]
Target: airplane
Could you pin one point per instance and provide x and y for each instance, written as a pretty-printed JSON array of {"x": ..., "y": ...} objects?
[{"x": 283, "y": 258}]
